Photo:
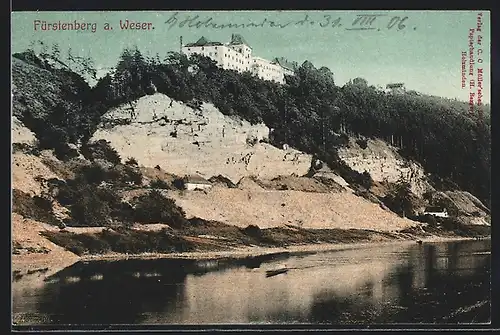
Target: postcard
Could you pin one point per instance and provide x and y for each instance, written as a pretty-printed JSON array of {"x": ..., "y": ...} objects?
[{"x": 218, "y": 168}]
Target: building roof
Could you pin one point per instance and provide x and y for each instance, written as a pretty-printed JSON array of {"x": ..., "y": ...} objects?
[
  {"x": 262, "y": 59},
  {"x": 196, "y": 179},
  {"x": 395, "y": 85},
  {"x": 238, "y": 39},
  {"x": 283, "y": 62},
  {"x": 435, "y": 209},
  {"x": 203, "y": 41}
]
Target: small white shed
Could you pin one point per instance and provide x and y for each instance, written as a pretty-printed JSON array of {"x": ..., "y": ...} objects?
[
  {"x": 193, "y": 182},
  {"x": 436, "y": 211}
]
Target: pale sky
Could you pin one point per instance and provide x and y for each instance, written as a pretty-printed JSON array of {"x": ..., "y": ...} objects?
[{"x": 426, "y": 54}]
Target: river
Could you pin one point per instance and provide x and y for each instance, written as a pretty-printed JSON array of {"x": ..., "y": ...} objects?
[{"x": 446, "y": 283}]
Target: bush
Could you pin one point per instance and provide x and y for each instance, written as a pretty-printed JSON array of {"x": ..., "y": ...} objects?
[
  {"x": 64, "y": 152},
  {"x": 101, "y": 150},
  {"x": 153, "y": 207},
  {"x": 125, "y": 174},
  {"x": 431, "y": 220},
  {"x": 93, "y": 174},
  {"x": 94, "y": 204},
  {"x": 253, "y": 231},
  {"x": 91, "y": 211},
  {"x": 66, "y": 240},
  {"x": 124, "y": 213},
  {"x": 133, "y": 175},
  {"x": 52, "y": 186},
  {"x": 158, "y": 183},
  {"x": 131, "y": 161},
  {"x": 363, "y": 143},
  {"x": 366, "y": 180},
  {"x": 179, "y": 183},
  {"x": 76, "y": 249},
  {"x": 25, "y": 148},
  {"x": 36, "y": 208},
  {"x": 93, "y": 243},
  {"x": 90, "y": 205},
  {"x": 119, "y": 174},
  {"x": 401, "y": 200}
]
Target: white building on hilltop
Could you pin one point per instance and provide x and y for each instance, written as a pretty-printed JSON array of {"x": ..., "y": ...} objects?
[{"x": 237, "y": 55}]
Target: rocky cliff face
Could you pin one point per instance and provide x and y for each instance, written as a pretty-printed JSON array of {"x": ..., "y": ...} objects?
[
  {"x": 383, "y": 163},
  {"x": 159, "y": 131}
]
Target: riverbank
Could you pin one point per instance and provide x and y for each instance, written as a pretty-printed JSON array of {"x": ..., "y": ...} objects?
[
  {"x": 257, "y": 251},
  {"x": 223, "y": 242}
]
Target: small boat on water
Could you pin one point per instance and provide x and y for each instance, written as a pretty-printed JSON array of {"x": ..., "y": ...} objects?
[{"x": 270, "y": 273}]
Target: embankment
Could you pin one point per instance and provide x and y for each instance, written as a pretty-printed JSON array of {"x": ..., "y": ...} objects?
[{"x": 207, "y": 240}]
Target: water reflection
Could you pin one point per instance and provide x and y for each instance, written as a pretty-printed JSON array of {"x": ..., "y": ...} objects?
[{"x": 400, "y": 283}]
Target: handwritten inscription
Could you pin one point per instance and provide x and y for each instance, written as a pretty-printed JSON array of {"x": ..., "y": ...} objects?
[
  {"x": 355, "y": 22},
  {"x": 358, "y": 22},
  {"x": 364, "y": 22}
]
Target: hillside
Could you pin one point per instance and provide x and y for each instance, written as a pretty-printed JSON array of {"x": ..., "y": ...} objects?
[
  {"x": 55, "y": 103},
  {"x": 182, "y": 140},
  {"x": 143, "y": 130},
  {"x": 97, "y": 169},
  {"x": 384, "y": 164},
  {"x": 31, "y": 76},
  {"x": 274, "y": 208}
]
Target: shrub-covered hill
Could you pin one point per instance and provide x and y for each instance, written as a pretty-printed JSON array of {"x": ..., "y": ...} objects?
[
  {"x": 54, "y": 102},
  {"x": 310, "y": 113}
]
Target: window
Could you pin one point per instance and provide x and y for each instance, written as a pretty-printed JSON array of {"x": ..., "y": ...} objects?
[
  {"x": 210, "y": 53},
  {"x": 189, "y": 49},
  {"x": 202, "y": 48}
]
